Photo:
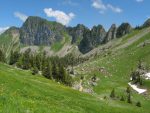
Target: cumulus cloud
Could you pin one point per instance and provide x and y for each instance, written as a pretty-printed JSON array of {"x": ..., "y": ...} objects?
[
  {"x": 114, "y": 9},
  {"x": 60, "y": 16},
  {"x": 21, "y": 16},
  {"x": 98, "y": 4},
  {"x": 139, "y": 0},
  {"x": 3, "y": 29}
]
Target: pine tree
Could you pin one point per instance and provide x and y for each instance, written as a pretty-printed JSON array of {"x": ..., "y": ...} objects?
[
  {"x": 14, "y": 56},
  {"x": 19, "y": 62},
  {"x": 55, "y": 72},
  {"x": 112, "y": 95},
  {"x": 47, "y": 71},
  {"x": 26, "y": 60},
  {"x": 129, "y": 98},
  {"x": 34, "y": 70},
  {"x": 2, "y": 56},
  {"x": 122, "y": 98},
  {"x": 38, "y": 62}
]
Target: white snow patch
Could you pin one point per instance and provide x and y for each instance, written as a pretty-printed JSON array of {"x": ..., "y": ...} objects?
[
  {"x": 140, "y": 91},
  {"x": 147, "y": 76}
]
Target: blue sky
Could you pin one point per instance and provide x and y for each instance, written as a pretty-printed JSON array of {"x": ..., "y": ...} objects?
[{"x": 72, "y": 12}]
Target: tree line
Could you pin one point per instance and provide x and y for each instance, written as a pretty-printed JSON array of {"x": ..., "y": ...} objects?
[{"x": 49, "y": 67}]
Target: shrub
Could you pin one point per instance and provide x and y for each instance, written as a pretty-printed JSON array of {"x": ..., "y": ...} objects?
[{"x": 138, "y": 104}]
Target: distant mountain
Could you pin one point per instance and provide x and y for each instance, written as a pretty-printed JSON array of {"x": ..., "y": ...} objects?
[
  {"x": 37, "y": 31},
  {"x": 2, "y": 30},
  {"x": 123, "y": 29}
]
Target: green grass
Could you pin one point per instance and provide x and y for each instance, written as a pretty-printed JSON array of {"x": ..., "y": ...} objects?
[
  {"x": 21, "y": 92},
  {"x": 119, "y": 65},
  {"x": 59, "y": 45},
  {"x": 5, "y": 40}
]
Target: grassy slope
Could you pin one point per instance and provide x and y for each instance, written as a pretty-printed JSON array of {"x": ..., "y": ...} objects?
[
  {"x": 20, "y": 92},
  {"x": 8, "y": 43},
  {"x": 59, "y": 45},
  {"x": 119, "y": 65}
]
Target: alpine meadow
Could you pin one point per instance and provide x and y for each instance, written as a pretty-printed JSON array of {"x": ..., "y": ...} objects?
[{"x": 73, "y": 56}]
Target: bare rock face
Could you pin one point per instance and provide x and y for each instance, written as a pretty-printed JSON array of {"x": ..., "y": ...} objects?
[
  {"x": 98, "y": 34},
  {"x": 76, "y": 33},
  {"x": 92, "y": 38},
  {"x": 38, "y": 31},
  {"x": 123, "y": 29},
  {"x": 111, "y": 34}
]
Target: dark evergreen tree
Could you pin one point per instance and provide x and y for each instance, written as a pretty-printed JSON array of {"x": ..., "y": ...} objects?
[
  {"x": 122, "y": 98},
  {"x": 14, "y": 56},
  {"x": 55, "y": 71},
  {"x": 19, "y": 62},
  {"x": 47, "y": 71},
  {"x": 2, "y": 56},
  {"x": 112, "y": 95},
  {"x": 129, "y": 98},
  {"x": 38, "y": 62}
]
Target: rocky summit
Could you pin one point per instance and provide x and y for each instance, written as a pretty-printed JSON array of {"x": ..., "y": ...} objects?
[{"x": 38, "y": 31}]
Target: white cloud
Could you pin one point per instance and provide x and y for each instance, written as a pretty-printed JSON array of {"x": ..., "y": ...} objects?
[
  {"x": 60, "y": 16},
  {"x": 3, "y": 29},
  {"x": 140, "y": 0},
  {"x": 98, "y": 4},
  {"x": 69, "y": 2},
  {"x": 114, "y": 9},
  {"x": 21, "y": 16}
]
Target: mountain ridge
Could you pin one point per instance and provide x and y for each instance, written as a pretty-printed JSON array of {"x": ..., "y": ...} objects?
[{"x": 37, "y": 31}]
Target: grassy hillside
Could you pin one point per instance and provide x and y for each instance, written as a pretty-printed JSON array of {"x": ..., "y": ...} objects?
[
  {"x": 21, "y": 92},
  {"x": 9, "y": 41},
  {"x": 117, "y": 63},
  {"x": 59, "y": 45}
]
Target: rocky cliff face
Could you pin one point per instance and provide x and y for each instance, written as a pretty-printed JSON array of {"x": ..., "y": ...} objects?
[
  {"x": 111, "y": 34},
  {"x": 92, "y": 38},
  {"x": 38, "y": 31},
  {"x": 76, "y": 33},
  {"x": 123, "y": 29}
]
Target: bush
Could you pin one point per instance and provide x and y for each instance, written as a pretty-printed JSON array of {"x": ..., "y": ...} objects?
[
  {"x": 128, "y": 90},
  {"x": 138, "y": 104},
  {"x": 122, "y": 98}
]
